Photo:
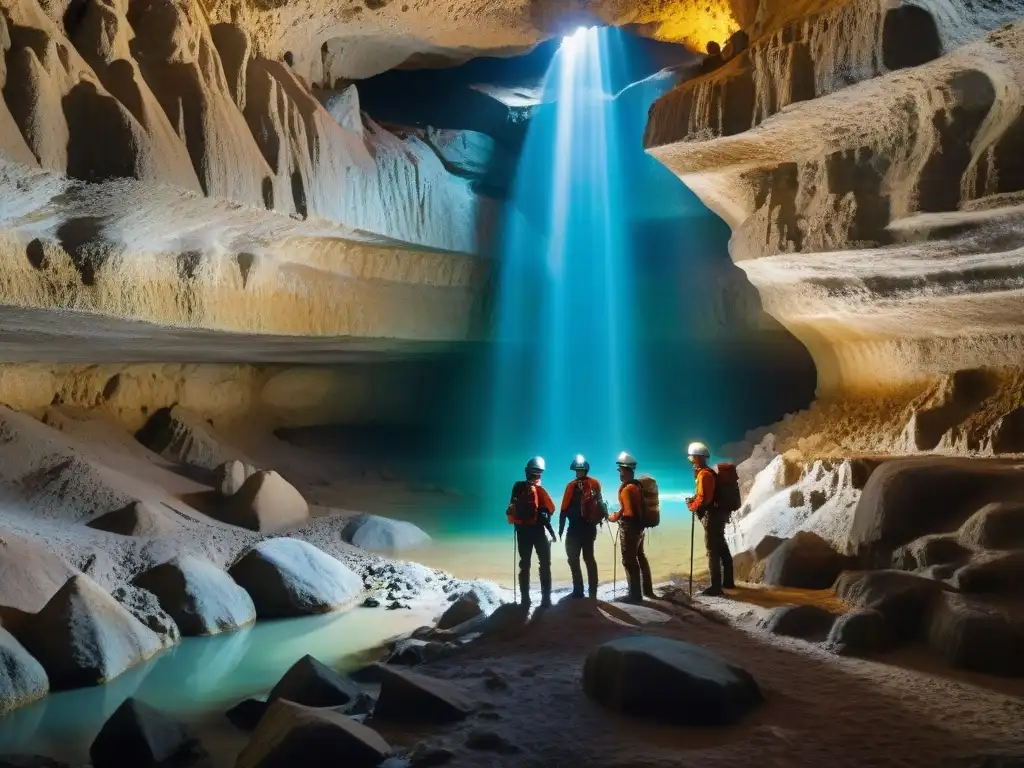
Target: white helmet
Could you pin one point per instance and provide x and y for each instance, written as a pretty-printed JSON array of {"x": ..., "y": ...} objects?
[
  {"x": 625, "y": 460},
  {"x": 536, "y": 464},
  {"x": 698, "y": 449}
]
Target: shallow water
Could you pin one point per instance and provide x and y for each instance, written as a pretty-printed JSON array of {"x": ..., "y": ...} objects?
[{"x": 201, "y": 675}]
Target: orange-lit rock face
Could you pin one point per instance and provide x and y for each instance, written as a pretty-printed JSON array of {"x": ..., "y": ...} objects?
[
  {"x": 872, "y": 179},
  {"x": 329, "y": 41}
]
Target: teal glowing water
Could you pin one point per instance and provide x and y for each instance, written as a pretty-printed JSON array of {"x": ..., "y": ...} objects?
[{"x": 200, "y": 677}]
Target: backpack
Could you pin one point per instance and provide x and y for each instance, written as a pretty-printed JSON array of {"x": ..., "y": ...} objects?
[
  {"x": 592, "y": 506},
  {"x": 727, "y": 489},
  {"x": 525, "y": 504},
  {"x": 650, "y": 501}
]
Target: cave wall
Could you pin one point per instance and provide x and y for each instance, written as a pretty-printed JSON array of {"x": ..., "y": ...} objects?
[{"x": 867, "y": 158}]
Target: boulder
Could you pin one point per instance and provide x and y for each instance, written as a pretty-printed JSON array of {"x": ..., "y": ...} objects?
[
  {"x": 373, "y": 532},
  {"x": 663, "y": 679},
  {"x": 22, "y": 678},
  {"x": 993, "y": 573},
  {"x": 137, "y": 519},
  {"x": 412, "y": 651},
  {"x": 313, "y": 684},
  {"x": 902, "y": 598},
  {"x": 267, "y": 502},
  {"x": 905, "y": 499},
  {"x": 806, "y": 561},
  {"x": 29, "y": 574},
  {"x": 288, "y": 577},
  {"x": 246, "y": 714},
  {"x": 229, "y": 477},
  {"x": 858, "y": 633},
  {"x": 807, "y": 622},
  {"x": 186, "y": 437},
  {"x": 465, "y": 608},
  {"x": 995, "y": 526},
  {"x": 978, "y": 634},
  {"x": 767, "y": 546},
  {"x": 83, "y": 636},
  {"x": 137, "y": 734},
  {"x": 290, "y": 734},
  {"x": 742, "y": 564},
  {"x": 200, "y": 597},
  {"x": 144, "y": 606},
  {"x": 409, "y": 697},
  {"x": 934, "y": 549}
]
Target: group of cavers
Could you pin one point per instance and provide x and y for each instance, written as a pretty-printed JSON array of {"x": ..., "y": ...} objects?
[{"x": 583, "y": 508}]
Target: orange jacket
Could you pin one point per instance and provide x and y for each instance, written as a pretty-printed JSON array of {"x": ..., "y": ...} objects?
[
  {"x": 630, "y": 503},
  {"x": 541, "y": 499},
  {"x": 705, "y": 493},
  {"x": 591, "y": 489}
]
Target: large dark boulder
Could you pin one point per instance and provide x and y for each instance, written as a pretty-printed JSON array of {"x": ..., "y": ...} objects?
[
  {"x": 934, "y": 549},
  {"x": 858, "y": 633},
  {"x": 290, "y": 735},
  {"x": 978, "y": 634},
  {"x": 313, "y": 684},
  {"x": 200, "y": 597},
  {"x": 993, "y": 573},
  {"x": 137, "y": 734},
  {"x": 410, "y": 697},
  {"x": 669, "y": 680},
  {"x": 807, "y": 622},
  {"x": 995, "y": 526},
  {"x": 806, "y": 561},
  {"x": 904, "y": 599},
  {"x": 465, "y": 608},
  {"x": 905, "y": 499}
]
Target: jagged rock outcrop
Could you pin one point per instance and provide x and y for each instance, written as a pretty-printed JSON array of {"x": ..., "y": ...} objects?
[{"x": 871, "y": 179}]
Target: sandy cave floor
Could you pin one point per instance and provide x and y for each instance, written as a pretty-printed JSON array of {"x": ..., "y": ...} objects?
[{"x": 820, "y": 709}]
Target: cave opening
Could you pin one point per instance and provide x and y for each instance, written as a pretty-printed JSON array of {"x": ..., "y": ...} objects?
[{"x": 617, "y": 319}]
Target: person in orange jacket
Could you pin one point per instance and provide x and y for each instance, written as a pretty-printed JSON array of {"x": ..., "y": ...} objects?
[
  {"x": 583, "y": 510},
  {"x": 631, "y": 532},
  {"x": 530, "y": 509},
  {"x": 702, "y": 504}
]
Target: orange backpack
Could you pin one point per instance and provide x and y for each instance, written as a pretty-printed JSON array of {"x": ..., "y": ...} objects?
[{"x": 524, "y": 507}]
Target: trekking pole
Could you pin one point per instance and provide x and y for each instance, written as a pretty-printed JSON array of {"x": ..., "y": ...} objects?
[
  {"x": 515, "y": 555},
  {"x": 693, "y": 525},
  {"x": 615, "y": 568}
]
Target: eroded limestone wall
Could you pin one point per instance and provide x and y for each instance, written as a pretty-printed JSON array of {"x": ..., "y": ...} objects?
[{"x": 873, "y": 182}]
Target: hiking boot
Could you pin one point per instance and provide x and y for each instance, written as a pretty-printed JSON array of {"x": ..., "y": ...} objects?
[
  {"x": 545, "y": 602},
  {"x": 729, "y": 585},
  {"x": 712, "y": 592},
  {"x": 650, "y": 595},
  {"x": 630, "y": 599}
]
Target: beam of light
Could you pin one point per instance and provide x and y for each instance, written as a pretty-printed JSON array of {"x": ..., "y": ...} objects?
[{"x": 566, "y": 378}]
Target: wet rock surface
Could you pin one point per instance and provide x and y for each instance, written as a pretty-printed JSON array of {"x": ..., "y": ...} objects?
[{"x": 669, "y": 680}]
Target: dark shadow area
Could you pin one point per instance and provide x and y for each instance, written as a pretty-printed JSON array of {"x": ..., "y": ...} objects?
[{"x": 910, "y": 37}]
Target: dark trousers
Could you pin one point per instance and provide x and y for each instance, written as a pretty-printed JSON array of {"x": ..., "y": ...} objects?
[
  {"x": 530, "y": 538},
  {"x": 719, "y": 556},
  {"x": 580, "y": 541},
  {"x": 638, "y": 570}
]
